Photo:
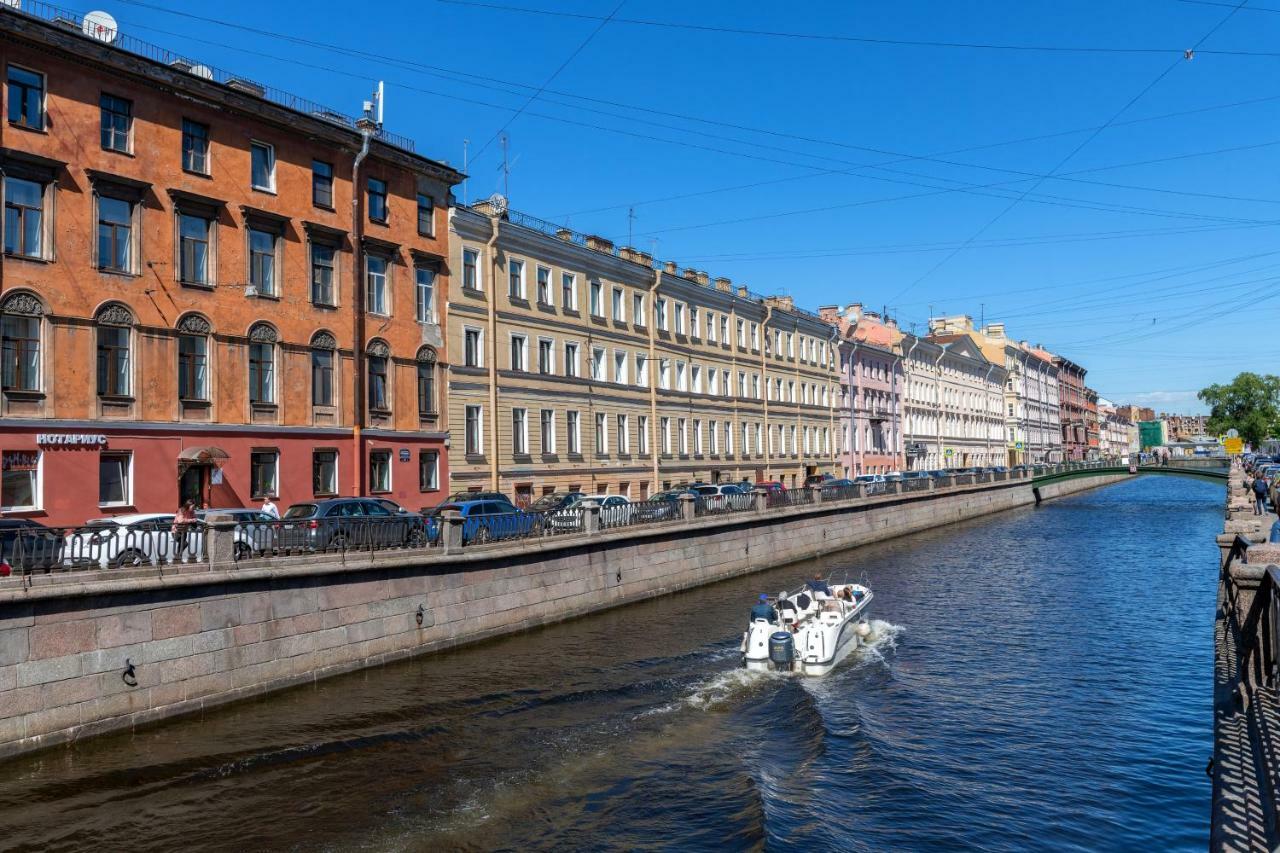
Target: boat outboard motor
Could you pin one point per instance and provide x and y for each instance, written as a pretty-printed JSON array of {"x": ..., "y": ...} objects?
[{"x": 782, "y": 650}]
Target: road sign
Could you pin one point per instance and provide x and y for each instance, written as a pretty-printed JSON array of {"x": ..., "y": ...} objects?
[
  {"x": 1233, "y": 433},
  {"x": 949, "y": 453},
  {"x": 1018, "y": 445},
  {"x": 1233, "y": 445}
]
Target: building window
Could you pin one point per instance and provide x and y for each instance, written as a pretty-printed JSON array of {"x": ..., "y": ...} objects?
[
  {"x": 379, "y": 471},
  {"x": 597, "y": 299},
  {"x": 115, "y": 479},
  {"x": 193, "y": 255},
  {"x": 602, "y": 433},
  {"x": 264, "y": 473},
  {"x": 697, "y": 437},
  {"x": 642, "y": 426},
  {"x": 428, "y": 470},
  {"x": 474, "y": 426},
  {"x": 427, "y": 383},
  {"x": 660, "y": 309},
  {"x": 620, "y": 368},
  {"x": 520, "y": 432},
  {"x": 324, "y": 270},
  {"x": 379, "y": 357},
  {"x": 619, "y": 306},
  {"x": 425, "y": 294},
  {"x": 547, "y": 424},
  {"x": 117, "y": 121},
  {"x": 470, "y": 269},
  {"x": 322, "y": 184},
  {"x": 519, "y": 353},
  {"x": 26, "y": 98},
  {"x": 665, "y": 425},
  {"x": 694, "y": 330},
  {"x": 742, "y": 334},
  {"x": 472, "y": 352},
  {"x": 376, "y": 301},
  {"x": 324, "y": 472},
  {"x": 570, "y": 359},
  {"x": 321, "y": 373},
  {"x": 568, "y": 291},
  {"x": 115, "y": 234},
  {"x": 113, "y": 362},
  {"x": 597, "y": 363},
  {"x": 193, "y": 367},
  {"x": 637, "y": 309},
  {"x": 573, "y": 433},
  {"x": 377, "y": 200},
  {"x": 262, "y": 365},
  {"x": 682, "y": 427},
  {"x": 426, "y": 215},
  {"x": 19, "y": 480},
  {"x": 642, "y": 370},
  {"x": 679, "y": 318},
  {"x": 544, "y": 286},
  {"x": 195, "y": 146},
  {"x": 23, "y": 217},
  {"x": 515, "y": 279},
  {"x": 20, "y": 329},
  {"x": 262, "y": 168},
  {"x": 546, "y": 356},
  {"x": 624, "y": 434},
  {"x": 262, "y": 261}
]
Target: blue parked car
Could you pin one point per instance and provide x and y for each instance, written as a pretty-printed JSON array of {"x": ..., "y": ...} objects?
[{"x": 487, "y": 521}]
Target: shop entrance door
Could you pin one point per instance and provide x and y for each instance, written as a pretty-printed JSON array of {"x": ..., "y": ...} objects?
[{"x": 193, "y": 484}]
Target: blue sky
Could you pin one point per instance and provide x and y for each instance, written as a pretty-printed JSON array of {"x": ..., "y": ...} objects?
[{"x": 775, "y": 160}]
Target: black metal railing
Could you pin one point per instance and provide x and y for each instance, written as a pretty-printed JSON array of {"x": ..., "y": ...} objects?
[
  {"x": 722, "y": 504},
  {"x": 652, "y": 511},
  {"x": 841, "y": 493},
  {"x": 106, "y": 546},
  {"x": 914, "y": 484},
  {"x": 791, "y": 498},
  {"x": 1257, "y": 636},
  {"x": 255, "y": 539}
]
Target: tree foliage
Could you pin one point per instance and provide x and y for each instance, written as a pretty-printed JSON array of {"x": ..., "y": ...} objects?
[{"x": 1250, "y": 404}]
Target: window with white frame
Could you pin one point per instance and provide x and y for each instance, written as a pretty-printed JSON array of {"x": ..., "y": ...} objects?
[
  {"x": 742, "y": 334},
  {"x": 20, "y": 480},
  {"x": 379, "y": 471},
  {"x": 570, "y": 358},
  {"x": 742, "y": 384},
  {"x": 642, "y": 433},
  {"x": 568, "y": 291},
  {"x": 263, "y": 166},
  {"x": 724, "y": 330},
  {"x": 547, "y": 430},
  {"x": 474, "y": 430},
  {"x": 664, "y": 425},
  {"x": 682, "y": 427},
  {"x": 519, "y": 353},
  {"x": 573, "y": 431},
  {"x": 115, "y": 478},
  {"x": 597, "y": 299},
  {"x": 695, "y": 378},
  {"x": 724, "y": 383},
  {"x": 425, "y": 294},
  {"x": 264, "y": 474},
  {"x": 546, "y": 356},
  {"x": 597, "y": 363},
  {"x": 642, "y": 370},
  {"x": 515, "y": 279},
  {"x": 682, "y": 383},
  {"x": 713, "y": 437},
  {"x": 520, "y": 431},
  {"x": 470, "y": 269},
  {"x": 620, "y": 367},
  {"x": 602, "y": 433},
  {"x": 728, "y": 438},
  {"x": 624, "y": 434},
  {"x": 755, "y": 336},
  {"x": 746, "y": 440},
  {"x": 472, "y": 347},
  {"x": 680, "y": 318},
  {"x": 619, "y": 305},
  {"x": 755, "y": 386},
  {"x": 660, "y": 309},
  {"x": 711, "y": 328},
  {"x": 697, "y": 436},
  {"x": 713, "y": 382},
  {"x": 694, "y": 329},
  {"x": 544, "y": 286},
  {"x": 377, "y": 286},
  {"x": 664, "y": 374}
]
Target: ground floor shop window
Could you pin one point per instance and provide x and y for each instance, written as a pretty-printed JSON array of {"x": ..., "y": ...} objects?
[
  {"x": 115, "y": 479},
  {"x": 324, "y": 472},
  {"x": 380, "y": 471},
  {"x": 428, "y": 470},
  {"x": 20, "y": 480},
  {"x": 264, "y": 473}
]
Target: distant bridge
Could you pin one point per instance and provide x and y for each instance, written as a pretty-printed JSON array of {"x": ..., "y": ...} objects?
[{"x": 1180, "y": 468}]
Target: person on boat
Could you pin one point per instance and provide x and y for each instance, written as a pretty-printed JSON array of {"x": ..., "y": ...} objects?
[
  {"x": 764, "y": 610},
  {"x": 818, "y": 585}
]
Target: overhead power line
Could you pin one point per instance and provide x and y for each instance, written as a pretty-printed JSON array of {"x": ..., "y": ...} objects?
[{"x": 851, "y": 39}]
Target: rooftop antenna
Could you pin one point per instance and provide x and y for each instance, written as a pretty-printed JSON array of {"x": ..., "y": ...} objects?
[
  {"x": 631, "y": 222},
  {"x": 506, "y": 168},
  {"x": 982, "y": 315},
  {"x": 382, "y": 97}
]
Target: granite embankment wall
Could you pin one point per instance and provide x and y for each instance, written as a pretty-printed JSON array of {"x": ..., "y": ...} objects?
[{"x": 197, "y": 637}]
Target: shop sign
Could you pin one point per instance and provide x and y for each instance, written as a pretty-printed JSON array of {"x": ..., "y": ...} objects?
[{"x": 70, "y": 439}]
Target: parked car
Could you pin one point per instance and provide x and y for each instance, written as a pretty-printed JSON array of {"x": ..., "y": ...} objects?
[
  {"x": 818, "y": 479},
  {"x": 27, "y": 545},
  {"x": 133, "y": 539},
  {"x": 615, "y": 511},
  {"x": 255, "y": 530},
  {"x": 914, "y": 475},
  {"x": 938, "y": 472},
  {"x": 892, "y": 477},
  {"x": 663, "y": 506},
  {"x": 488, "y": 521},
  {"x": 872, "y": 484},
  {"x": 770, "y": 486},
  {"x": 459, "y": 497},
  {"x": 837, "y": 484},
  {"x": 722, "y": 497},
  {"x": 555, "y": 501},
  {"x": 347, "y": 524},
  {"x": 390, "y": 506}
]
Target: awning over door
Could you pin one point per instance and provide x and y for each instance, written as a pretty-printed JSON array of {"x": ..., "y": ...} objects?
[{"x": 203, "y": 454}]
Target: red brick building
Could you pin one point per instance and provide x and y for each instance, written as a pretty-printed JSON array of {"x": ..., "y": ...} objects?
[
  {"x": 193, "y": 300},
  {"x": 1073, "y": 407}
]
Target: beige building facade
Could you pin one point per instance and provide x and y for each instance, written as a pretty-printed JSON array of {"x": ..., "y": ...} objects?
[{"x": 584, "y": 368}]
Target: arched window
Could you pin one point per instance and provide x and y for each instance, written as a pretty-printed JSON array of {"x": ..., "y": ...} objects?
[
  {"x": 323, "y": 351},
  {"x": 114, "y": 326},
  {"x": 20, "y": 316},
  {"x": 262, "y": 364},
  {"x": 378, "y": 358},
  {"x": 193, "y": 358},
  {"x": 427, "y": 383}
]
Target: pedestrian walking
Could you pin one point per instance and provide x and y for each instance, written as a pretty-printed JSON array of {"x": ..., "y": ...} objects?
[
  {"x": 269, "y": 508},
  {"x": 182, "y": 521},
  {"x": 1260, "y": 486}
]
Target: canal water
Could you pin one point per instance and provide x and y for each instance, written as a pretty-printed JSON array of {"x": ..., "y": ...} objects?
[{"x": 1042, "y": 680}]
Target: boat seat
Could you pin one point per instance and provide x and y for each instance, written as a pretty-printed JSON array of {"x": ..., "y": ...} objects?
[{"x": 803, "y": 601}]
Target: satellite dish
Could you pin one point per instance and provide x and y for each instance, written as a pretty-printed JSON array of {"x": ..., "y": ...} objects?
[
  {"x": 498, "y": 202},
  {"x": 202, "y": 71},
  {"x": 100, "y": 26}
]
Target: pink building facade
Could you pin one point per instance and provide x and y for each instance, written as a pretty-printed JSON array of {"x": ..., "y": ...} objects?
[{"x": 871, "y": 386}]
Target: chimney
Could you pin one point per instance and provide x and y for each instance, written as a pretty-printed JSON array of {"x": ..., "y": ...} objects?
[
  {"x": 703, "y": 278},
  {"x": 627, "y": 253},
  {"x": 644, "y": 258},
  {"x": 723, "y": 284},
  {"x": 743, "y": 292},
  {"x": 671, "y": 268},
  {"x": 689, "y": 273},
  {"x": 565, "y": 234},
  {"x": 994, "y": 330},
  {"x": 599, "y": 244}
]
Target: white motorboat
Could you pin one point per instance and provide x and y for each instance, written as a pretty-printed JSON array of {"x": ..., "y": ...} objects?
[{"x": 810, "y": 632}]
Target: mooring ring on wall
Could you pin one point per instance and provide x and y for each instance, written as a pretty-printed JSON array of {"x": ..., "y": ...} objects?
[{"x": 129, "y": 676}]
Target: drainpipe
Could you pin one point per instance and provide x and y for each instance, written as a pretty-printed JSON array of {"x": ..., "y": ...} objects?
[
  {"x": 764, "y": 375},
  {"x": 834, "y": 358},
  {"x": 937, "y": 380},
  {"x": 490, "y": 248},
  {"x": 906, "y": 359},
  {"x": 653, "y": 369},
  {"x": 359, "y": 404},
  {"x": 896, "y": 402},
  {"x": 986, "y": 394},
  {"x": 855, "y": 396}
]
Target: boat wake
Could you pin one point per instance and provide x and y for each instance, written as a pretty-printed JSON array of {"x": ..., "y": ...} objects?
[{"x": 883, "y": 638}]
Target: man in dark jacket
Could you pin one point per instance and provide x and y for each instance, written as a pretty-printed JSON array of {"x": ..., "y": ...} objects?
[
  {"x": 1260, "y": 487},
  {"x": 764, "y": 610},
  {"x": 819, "y": 585}
]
